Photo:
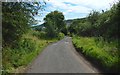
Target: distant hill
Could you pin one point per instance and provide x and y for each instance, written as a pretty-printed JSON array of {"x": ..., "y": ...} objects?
[
  {"x": 68, "y": 23},
  {"x": 38, "y": 27}
]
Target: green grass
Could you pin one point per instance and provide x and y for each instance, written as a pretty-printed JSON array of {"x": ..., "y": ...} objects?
[
  {"x": 26, "y": 50},
  {"x": 96, "y": 48}
]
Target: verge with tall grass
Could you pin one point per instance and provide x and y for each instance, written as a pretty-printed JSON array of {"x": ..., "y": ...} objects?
[
  {"x": 30, "y": 45},
  {"x": 103, "y": 53}
]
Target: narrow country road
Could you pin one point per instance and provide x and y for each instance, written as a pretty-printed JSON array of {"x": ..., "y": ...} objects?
[{"x": 60, "y": 57}]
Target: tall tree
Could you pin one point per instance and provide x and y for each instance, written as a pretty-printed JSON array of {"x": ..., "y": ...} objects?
[
  {"x": 54, "y": 22},
  {"x": 93, "y": 16},
  {"x": 16, "y": 19}
]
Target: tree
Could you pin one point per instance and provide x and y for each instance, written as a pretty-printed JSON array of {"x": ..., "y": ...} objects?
[
  {"x": 108, "y": 22},
  {"x": 54, "y": 23},
  {"x": 17, "y": 18},
  {"x": 65, "y": 30},
  {"x": 93, "y": 16},
  {"x": 114, "y": 28}
]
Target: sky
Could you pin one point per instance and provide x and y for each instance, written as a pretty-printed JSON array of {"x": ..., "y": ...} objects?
[{"x": 73, "y": 9}]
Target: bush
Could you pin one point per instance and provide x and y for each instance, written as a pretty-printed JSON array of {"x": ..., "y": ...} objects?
[
  {"x": 25, "y": 51},
  {"x": 39, "y": 34},
  {"x": 60, "y": 36}
]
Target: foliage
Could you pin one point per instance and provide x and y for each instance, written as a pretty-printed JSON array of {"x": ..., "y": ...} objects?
[
  {"x": 103, "y": 52},
  {"x": 28, "y": 48},
  {"x": 97, "y": 24},
  {"x": 40, "y": 34},
  {"x": 16, "y": 20},
  {"x": 93, "y": 16},
  {"x": 65, "y": 30},
  {"x": 19, "y": 46},
  {"x": 100, "y": 39},
  {"x": 61, "y": 36},
  {"x": 38, "y": 27},
  {"x": 54, "y": 23}
]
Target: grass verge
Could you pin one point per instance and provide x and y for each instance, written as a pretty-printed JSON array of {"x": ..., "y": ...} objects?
[
  {"x": 25, "y": 51},
  {"x": 103, "y": 53}
]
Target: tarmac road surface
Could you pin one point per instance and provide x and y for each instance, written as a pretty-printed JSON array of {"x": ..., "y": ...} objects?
[{"x": 60, "y": 57}]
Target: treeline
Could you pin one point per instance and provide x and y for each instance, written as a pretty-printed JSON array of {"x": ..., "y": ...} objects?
[
  {"x": 104, "y": 24},
  {"x": 97, "y": 38},
  {"x": 54, "y": 25},
  {"x": 21, "y": 41},
  {"x": 20, "y": 44},
  {"x": 99, "y": 24}
]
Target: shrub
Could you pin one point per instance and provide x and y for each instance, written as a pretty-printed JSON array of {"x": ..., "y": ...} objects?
[
  {"x": 25, "y": 51},
  {"x": 60, "y": 36}
]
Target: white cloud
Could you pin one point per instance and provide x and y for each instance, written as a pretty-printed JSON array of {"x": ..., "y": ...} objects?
[
  {"x": 76, "y": 7},
  {"x": 81, "y": 5}
]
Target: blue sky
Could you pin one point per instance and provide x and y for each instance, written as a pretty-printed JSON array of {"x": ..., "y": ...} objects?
[{"x": 74, "y": 8}]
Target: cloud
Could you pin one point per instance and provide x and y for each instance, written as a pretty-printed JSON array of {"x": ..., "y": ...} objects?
[
  {"x": 76, "y": 8},
  {"x": 81, "y": 4}
]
